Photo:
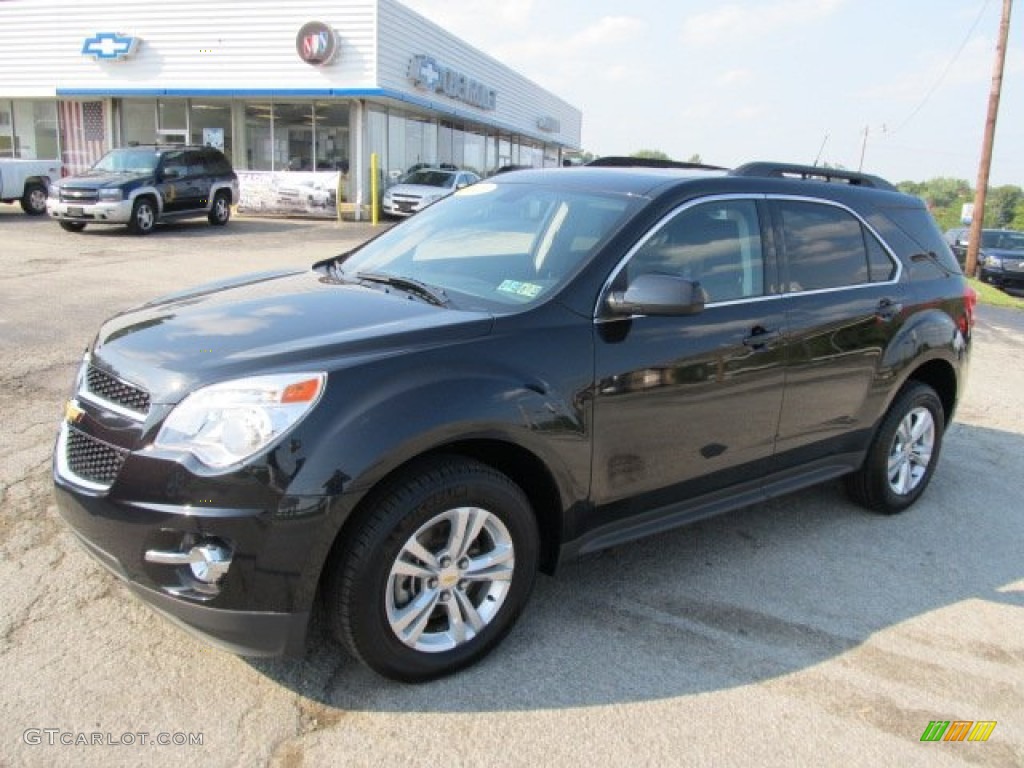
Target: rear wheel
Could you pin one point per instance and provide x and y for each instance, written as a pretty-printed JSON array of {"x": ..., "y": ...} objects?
[
  {"x": 33, "y": 202},
  {"x": 220, "y": 211},
  {"x": 143, "y": 218},
  {"x": 903, "y": 454},
  {"x": 437, "y": 573},
  {"x": 72, "y": 226}
]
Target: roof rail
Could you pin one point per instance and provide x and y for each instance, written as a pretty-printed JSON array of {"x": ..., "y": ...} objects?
[
  {"x": 615, "y": 161},
  {"x": 812, "y": 173}
]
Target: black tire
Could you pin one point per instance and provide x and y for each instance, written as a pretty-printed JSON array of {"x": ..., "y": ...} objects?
[
  {"x": 903, "y": 453},
  {"x": 461, "y": 614},
  {"x": 143, "y": 218},
  {"x": 33, "y": 202},
  {"x": 72, "y": 226},
  {"x": 220, "y": 211}
]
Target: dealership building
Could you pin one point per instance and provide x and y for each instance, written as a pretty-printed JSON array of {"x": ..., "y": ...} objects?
[{"x": 293, "y": 87}]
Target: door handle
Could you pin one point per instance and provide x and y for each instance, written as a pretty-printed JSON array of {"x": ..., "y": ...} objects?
[
  {"x": 888, "y": 309},
  {"x": 760, "y": 337}
]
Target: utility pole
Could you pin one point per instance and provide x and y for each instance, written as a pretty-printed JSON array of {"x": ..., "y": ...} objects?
[{"x": 978, "y": 217}]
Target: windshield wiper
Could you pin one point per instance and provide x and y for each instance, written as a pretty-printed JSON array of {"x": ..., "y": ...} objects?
[{"x": 430, "y": 293}]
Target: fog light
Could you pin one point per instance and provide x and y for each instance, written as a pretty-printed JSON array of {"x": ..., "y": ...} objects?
[{"x": 209, "y": 560}]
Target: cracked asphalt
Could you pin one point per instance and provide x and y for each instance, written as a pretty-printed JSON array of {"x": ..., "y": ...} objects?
[{"x": 799, "y": 632}]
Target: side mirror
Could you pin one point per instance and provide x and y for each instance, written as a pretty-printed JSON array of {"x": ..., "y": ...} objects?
[
  {"x": 657, "y": 294},
  {"x": 169, "y": 173}
]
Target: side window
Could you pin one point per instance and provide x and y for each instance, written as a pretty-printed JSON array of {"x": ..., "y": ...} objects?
[
  {"x": 827, "y": 247},
  {"x": 880, "y": 265},
  {"x": 174, "y": 164},
  {"x": 716, "y": 244},
  {"x": 194, "y": 161},
  {"x": 215, "y": 163}
]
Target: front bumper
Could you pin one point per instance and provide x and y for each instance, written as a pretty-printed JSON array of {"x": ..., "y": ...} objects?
[
  {"x": 259, "y": 607},
  {"x": 92, "y": 213},
  {"x": 404, "y": 208}
]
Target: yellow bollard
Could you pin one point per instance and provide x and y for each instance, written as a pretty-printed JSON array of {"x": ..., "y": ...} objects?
[{"x": 374, "y": 203}]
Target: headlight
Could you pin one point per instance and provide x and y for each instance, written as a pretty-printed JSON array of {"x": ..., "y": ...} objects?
[
  {"x": 994, "y": 261},
  {"x": 111, "y": 195},
  {"x": 53, "y": 192},
  {"x": 226, "y": 423}
]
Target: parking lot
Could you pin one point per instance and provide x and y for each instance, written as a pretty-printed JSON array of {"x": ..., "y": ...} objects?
[{"x": 800, "y": 632}]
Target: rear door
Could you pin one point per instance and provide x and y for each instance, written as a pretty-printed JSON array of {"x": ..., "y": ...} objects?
[{"x": 843, "y": 302}]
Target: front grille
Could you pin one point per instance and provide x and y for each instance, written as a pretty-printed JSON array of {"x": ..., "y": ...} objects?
[
  {"x": 78, "y": 195},
  {"x": 112, "y": 389},
  {"x": 92, "y": 459}
]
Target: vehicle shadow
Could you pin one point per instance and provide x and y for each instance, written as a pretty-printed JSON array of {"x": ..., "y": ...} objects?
[
  {"x": 760, "y": 593},
  {"x": 201, "y": 228}
]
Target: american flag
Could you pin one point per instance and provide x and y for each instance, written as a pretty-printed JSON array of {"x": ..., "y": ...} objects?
[{"x": 82, "y": 134}]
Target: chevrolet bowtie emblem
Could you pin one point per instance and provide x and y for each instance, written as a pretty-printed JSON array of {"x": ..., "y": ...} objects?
[{"x": 72, "y": 412}]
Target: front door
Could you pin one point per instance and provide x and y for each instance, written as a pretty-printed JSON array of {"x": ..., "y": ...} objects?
[{"x": 687, "y": 406}]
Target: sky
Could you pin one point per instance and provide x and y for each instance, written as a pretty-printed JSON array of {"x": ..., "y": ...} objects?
[{"x": 784, "y": 80}]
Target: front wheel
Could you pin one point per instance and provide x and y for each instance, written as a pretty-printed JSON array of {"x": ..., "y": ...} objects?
[
  {"x": 33, "y": 202},
  {"x": 437, "y": 573},
  {"x": 903, "y": 454},
  {"x": 220, "y": 211},
  {"x": 143, "y": 218}
]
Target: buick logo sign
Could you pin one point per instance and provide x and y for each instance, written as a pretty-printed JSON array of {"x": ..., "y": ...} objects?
[{"x": 316, "y": 43}]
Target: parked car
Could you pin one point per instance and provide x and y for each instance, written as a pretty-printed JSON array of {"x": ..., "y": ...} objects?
[
  {"x": 1001, "y": 258},
  {"x": 422, "y": 188},
  {"x": 27, "y": 182},
  {"x": 544, "y": 364},
  {"x": 957, "y": 239},
  {"x": 142, "y": 185}
]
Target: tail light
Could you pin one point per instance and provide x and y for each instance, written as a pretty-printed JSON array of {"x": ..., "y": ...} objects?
[{"x": 966, "y": 321}]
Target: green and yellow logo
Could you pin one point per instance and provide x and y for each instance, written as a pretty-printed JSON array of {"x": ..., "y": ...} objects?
[{"x": 958, "y": 730}]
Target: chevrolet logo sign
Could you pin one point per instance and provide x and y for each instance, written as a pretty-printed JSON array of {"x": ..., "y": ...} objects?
[
  {"x": 110, "y": 46},
  {"x": 72, "y": 413}
]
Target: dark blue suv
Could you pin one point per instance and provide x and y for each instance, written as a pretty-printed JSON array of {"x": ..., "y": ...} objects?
[{"x": 142, "y": 185}]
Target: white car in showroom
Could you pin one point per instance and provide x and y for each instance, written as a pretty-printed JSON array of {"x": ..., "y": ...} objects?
[{"x": 423, "y": 187}]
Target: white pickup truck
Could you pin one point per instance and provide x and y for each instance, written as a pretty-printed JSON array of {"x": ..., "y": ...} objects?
[{"x": 27, "y": 181}]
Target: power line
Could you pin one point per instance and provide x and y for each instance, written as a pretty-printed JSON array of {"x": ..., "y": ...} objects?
[{"x": 945, "y": 71}]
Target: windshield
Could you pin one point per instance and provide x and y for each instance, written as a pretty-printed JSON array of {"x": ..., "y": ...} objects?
[
  {"x": 128, "y": 161},
  {"x": 494, "y": 246},
  {"x": 1003, "y": 241},
  {"x": 431, "y": 178}
]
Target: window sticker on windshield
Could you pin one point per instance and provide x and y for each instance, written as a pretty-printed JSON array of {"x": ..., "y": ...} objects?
[{"x": 528, "y": 290}]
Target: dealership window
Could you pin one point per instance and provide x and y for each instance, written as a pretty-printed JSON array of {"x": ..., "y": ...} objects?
[
  {"x": 473, "y": 158},
  {"x": 209, "y": 124},
  {"x": 6, "y": 129},
  {"x": 290, "y": 136},
  {"x": 138, "y": 121},
  {"x": 28, "y": 129},
  {"x": 330, "y": 122}
]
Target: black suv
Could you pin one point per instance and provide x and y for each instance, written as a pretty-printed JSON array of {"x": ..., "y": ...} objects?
[
  {"x": 142, "y": 185},
  {"x": 544, "y": 364}
]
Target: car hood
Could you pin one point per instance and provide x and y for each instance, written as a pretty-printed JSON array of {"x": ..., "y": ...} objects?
[
  {"x": 97, "y": 179},
  {"x": 420, "y": 190},
  {"x": 269, "y": 322}
]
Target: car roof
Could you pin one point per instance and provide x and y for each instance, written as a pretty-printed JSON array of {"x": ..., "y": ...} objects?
[{"x": 751, "y": 178}]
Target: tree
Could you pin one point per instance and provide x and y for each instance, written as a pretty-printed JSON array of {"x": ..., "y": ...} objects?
[
  {"x": 694, "y": 158},
  {"x": 1001, "y": 208},
  {"x": 651, "y": 154}
]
